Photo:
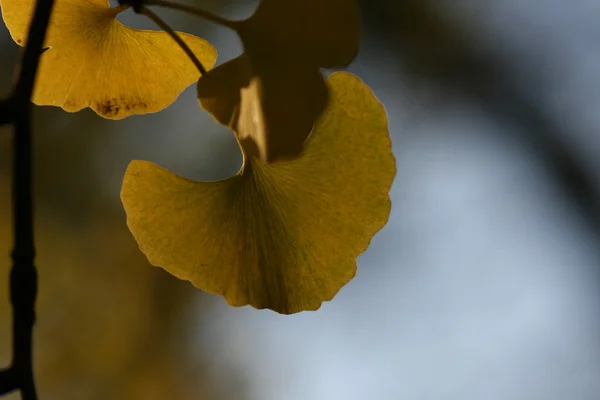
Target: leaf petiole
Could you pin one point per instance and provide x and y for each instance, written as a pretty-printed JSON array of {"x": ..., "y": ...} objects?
[
  {"x": 194, "y": 10},
  {"x": 164, "y": 26},
  {"x": 120, "y": 8}
]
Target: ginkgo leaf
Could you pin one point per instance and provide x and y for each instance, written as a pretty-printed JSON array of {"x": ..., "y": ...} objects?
[
  {"x": 286, "y": 42},
  {"x": 95, "y": 61},
  {"x": 283, "y": 236}
]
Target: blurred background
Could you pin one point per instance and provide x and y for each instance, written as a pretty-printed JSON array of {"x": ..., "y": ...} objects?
[{"x": 484, "y": 285}]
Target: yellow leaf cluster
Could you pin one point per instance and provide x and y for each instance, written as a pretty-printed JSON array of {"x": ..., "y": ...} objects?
[{"x": 285, "y": 232}]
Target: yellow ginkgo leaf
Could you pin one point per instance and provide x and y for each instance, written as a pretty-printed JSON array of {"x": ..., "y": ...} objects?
[
  {"x": 95, "y": 61},
  {"x": 283, "y": 236},
  {"x": 286, "y": 42}
]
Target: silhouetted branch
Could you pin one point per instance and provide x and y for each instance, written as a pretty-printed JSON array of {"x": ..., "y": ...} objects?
[
  {"x": 23, "y": 275},
  {"x": 8, "y": 381},
  {"x": 33, "y": 51},
  {"x": 5, "y": 112}
]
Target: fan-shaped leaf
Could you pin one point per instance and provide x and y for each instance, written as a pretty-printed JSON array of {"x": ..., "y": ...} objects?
[
  {"x": 283, "y": 236},
  {"x": 95, "y": 61}
]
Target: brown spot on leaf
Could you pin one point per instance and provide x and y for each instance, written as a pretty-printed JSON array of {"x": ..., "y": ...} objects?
[
  {"x": 133, "y": 104},
  {"x": 113, "y": 107},
  {"x": 108, "y": 108}
]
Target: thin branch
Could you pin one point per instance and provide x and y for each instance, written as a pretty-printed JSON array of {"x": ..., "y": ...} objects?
[
  {"x": 5, "y": 112},
  {"x": 33, "y": 51},
  {"x": 8, "y": 381},
  {"x": 194, "y": 10},
  {"x": 23, "y": 275},
  {"x": 163, "y": 25}
]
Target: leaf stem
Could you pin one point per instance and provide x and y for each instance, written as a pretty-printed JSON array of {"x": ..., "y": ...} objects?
[
  {"x": 194, "y": 10},
  {"x": 119, "y": 8},
  {"x": 163, "y": 25}
]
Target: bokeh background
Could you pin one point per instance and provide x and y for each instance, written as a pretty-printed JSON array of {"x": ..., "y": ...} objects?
[{"x": 484, "y": 285}]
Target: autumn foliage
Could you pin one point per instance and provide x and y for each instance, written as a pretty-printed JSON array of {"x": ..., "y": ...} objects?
[{"x": 285, "y": 231}]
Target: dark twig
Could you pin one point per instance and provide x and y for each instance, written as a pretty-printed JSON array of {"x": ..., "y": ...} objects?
[
  {"x": 195, "y": 11},
  {"x": 165, "y": 27},
  {"x": 139, "y": 7},
  {"x": 8, "y": 381},
  {"x": 33, "y": 51},
  {"x": 5, "y": 112},
  {"x": 23, "y": 275}
]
